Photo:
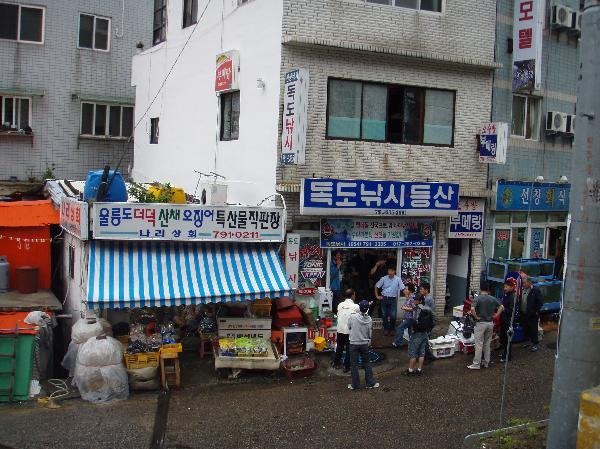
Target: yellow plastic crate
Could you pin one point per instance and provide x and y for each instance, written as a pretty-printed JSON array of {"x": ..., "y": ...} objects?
[
  {"x": 172, "y": 348},
  {"x": 141, "y": 360}
]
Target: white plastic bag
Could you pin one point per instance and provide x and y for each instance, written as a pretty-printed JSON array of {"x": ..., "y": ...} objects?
[
  {"x": 84, "y": 329},
  {"x": 70, "y": 358},
  {"x": 100, "y": 374},
  {"x": 144, "y": 378}
]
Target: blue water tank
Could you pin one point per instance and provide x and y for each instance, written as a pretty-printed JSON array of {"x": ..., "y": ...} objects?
[{"x": 117, "y": 191}]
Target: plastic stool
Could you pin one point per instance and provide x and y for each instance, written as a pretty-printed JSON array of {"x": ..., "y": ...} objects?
[
  {"x": 204, "y": 340},
  {"x": 169, "y": 370}
]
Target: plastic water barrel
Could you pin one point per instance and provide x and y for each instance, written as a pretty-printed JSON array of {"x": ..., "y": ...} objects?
[
  {"x": 4, "y": 270},
  {"x": 116, "y": 193}
]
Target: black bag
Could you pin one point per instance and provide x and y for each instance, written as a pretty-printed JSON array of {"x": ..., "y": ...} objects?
[
  {"x": 469, "y": 326},
  {"x": 424, "y": 321}
]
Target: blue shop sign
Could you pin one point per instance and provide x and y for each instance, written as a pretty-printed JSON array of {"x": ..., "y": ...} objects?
[
  {"x": 339, "y": 197},
  {"x": 532, "y": 196}
]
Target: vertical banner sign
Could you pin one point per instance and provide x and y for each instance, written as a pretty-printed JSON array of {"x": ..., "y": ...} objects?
[
  {"x": 493, "y": 141},
  {"x": 537, "y": 243},
  {"x": 528, "y": 23},
  {"x": 312, "y": 263},
  {"x": 292, "y": 259},
  {"x": 295, "y": 116},
  {"x": 469, "y": 223},
  {"x": 226, "y": 75},
  {"x": 416, "y": 266}
]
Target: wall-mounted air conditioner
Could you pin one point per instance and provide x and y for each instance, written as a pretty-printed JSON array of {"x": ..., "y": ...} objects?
[
  {"x": 570, "y": 124},
  {"x": 556, "y": 122},
  {"x": 562, "y": 16},
  {"x": 576, "y": 22}
]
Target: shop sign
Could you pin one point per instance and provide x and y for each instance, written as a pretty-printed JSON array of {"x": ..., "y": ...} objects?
[
  {"x": 292, "y": 262},
  {"x": 188, "y": 222},
  {"x": 312, "y": 264},
  {"x": 527, "y": 44},
  {"x": 74, "y": 217},
  {"x": 532, "y": 196},
  {"x": 295, "y": 117},
  {"x": 337, "y": 197},
  {"x": 493, "y": 142},
  {"x": 416, "y": 266},
  {"x": 226, "y": 75},
  {"x": 537, "y": 242},
  {"x": 469, "y": 223},
  {"x": 375, "y": 233},
  {"x": 306, "y": 291}
]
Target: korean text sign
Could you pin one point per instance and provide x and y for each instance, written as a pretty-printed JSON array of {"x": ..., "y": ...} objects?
[
  {"x": 493, "y": 142},
  {"x": 375, "y": 233},
  {"x": 338, "y": 197},
  {"x": 74, "y": 217},
  {"x": 292, "y": 259},
  {"x": 532, "y": 196},
  {"x": 295, "y": 116},
  {"x": 138, "y": 221},
  {"x": 469, "y": 223},
  {"x": 226, "y": 73},
  {"x": 416, "y": 266},
  {"x": 528, "y": 24}
]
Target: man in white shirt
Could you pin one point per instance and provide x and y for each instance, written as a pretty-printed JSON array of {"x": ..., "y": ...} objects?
[
  {"x": 345, "y": 310},
  {"x": 390, "y": 286}
]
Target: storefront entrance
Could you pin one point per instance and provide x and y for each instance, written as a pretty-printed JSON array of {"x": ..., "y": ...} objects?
[
  {"x": 362, "y": 268},
  {"x": 457, "y": 278}
]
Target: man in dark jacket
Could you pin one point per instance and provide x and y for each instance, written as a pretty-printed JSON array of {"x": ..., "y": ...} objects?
[{"x": 531, "y": 303}]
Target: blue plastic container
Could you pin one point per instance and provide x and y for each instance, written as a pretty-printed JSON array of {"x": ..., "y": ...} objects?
[{"x": 117, "y": 191}]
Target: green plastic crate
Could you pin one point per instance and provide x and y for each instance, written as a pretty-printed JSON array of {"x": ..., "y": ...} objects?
[{"x": 23, "y": 367}]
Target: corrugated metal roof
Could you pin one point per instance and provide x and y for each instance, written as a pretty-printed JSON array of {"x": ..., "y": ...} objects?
[{"x": 19, "y": 214}]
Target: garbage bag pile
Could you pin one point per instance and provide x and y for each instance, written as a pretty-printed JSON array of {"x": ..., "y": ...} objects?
[
  {"x": 81, "y": 332},
  {"x": 99, "y": 372}
]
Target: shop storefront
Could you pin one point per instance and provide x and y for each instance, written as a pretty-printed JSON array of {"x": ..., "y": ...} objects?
[
  {"x": 530, "y": 221},
  {"x": 361, "y": 227}
]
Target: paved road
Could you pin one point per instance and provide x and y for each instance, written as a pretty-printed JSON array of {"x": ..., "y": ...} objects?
[{"x": 435, "y": 411}]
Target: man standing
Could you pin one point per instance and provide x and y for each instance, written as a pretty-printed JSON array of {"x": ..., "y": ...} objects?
[
  {"x": 422, "y": 324},
  {"x": 390, "y": 286},
  {"x": 483, "y": 310},
  {"x": 408, "y": 307},
  {"x": 335, "y": 279},
  {"x": 506, "y": 318},
  {"x": 345, "y": 310},
  {"x": 531, "y": 303},
  {"x": 361, "y": 331},
  {"x": 425, "y": 291}
]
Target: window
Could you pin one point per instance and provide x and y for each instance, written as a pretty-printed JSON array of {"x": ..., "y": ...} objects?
[
  {"x": 71, "y": 262},
  {"x": 190, "y": 12},
  {"x": 94, "y": 32},
  {"x": 526, "y": 117},
  {"x": 159, "y": 28},
  {"x": 21, "y": 23},
  {"x": 425, "y": 5},
  {"x": 106, "y": 120},
  {"x": 154, "y": 130},
  {"x": 389, "y": 113},
  {"x": 15, "y": 112},
  {"x": 230, "y": 116}
]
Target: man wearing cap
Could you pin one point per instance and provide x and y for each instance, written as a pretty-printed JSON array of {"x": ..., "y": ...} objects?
[
  {"x": 390, "y": 286},
  {"x": 506, "y": 316},
  {"x": 531, "y": 303},
  {"x": 360, "y": 326}
]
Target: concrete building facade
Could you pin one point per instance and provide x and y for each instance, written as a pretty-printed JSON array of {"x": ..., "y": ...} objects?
[{"x": 65, "y": 70}]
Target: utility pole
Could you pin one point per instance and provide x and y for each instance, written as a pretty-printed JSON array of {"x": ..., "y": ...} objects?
[{"x": 577, "y": 366}]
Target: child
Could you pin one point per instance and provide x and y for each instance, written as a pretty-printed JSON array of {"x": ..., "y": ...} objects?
[{"x": 407, "y": 308}]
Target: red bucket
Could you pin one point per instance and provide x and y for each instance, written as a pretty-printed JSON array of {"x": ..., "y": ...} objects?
[{"x": 27, "y": 279}]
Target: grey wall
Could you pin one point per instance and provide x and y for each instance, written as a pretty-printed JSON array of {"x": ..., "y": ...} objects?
[{"x": 60, "y": 69}]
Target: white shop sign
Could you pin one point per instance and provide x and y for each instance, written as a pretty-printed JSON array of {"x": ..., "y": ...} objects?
[{"x": 74, "y": 217}]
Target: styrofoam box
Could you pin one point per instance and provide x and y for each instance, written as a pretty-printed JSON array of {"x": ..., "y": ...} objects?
[
  {"x": 377, "y": 323},
  {"x": 244, "y": 327},
  {"x": 443, "y": 350},
  {"x": 457, "y": 311}
]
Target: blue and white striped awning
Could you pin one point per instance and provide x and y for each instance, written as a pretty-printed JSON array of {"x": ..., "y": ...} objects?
[{"x": 153, "y": 274}]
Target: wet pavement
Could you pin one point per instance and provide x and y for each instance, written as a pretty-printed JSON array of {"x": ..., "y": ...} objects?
[{"x": 436, "y": 410}]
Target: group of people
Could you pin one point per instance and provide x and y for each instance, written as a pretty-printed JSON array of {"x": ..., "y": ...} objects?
[{"x": 354, "y": 324}]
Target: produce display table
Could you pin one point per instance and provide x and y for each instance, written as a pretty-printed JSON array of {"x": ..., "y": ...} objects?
[{"x": 270, "y": 363}]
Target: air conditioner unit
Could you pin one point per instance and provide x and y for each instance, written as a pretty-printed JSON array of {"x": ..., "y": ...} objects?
[
  {"x": 562, "y": 16},
  {"x": 213, "y": 194},
  {"x": 571, "y": 124},
  {"x": 576, "y": 22},
  {"x": 556, "y": 122}
]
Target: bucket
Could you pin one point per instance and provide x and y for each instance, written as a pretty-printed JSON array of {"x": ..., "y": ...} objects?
[
  {"x": 27, "y": 279},
  {"x": 319, "y": 344}
]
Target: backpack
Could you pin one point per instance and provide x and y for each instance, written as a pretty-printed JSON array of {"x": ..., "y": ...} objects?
[
  {"x": 469, "y": 326},
  {"x": 424, "y": 321}
]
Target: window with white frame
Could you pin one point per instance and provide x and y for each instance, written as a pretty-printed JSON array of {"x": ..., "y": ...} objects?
[
  {"x": 159, "y": 28},
  {"x": 106, "y": 120},
  {"x": 424, "y": 5},
  {"x": 526, "y": 117},
  {"x": 94, "y": 32},
  {"x": 15, "y": 112},
  {"x": 23, "y": 23},
  {"x": 190, "y": 12}
]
